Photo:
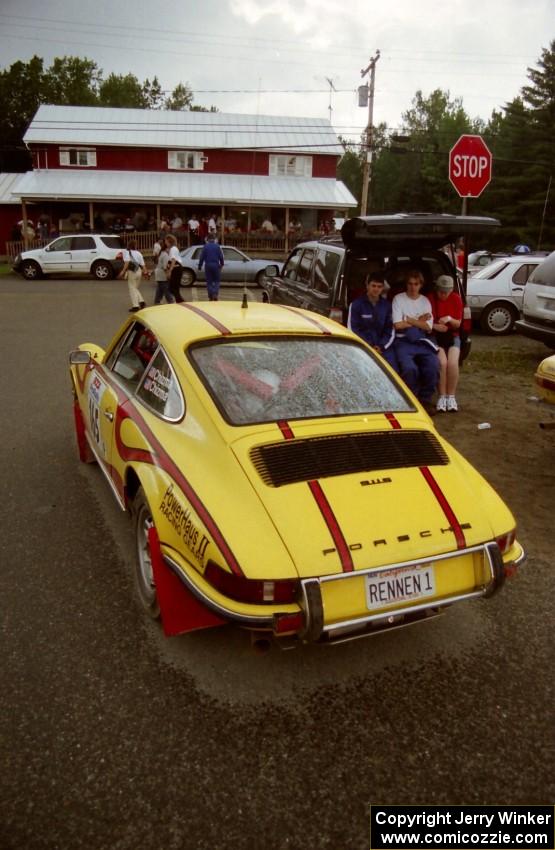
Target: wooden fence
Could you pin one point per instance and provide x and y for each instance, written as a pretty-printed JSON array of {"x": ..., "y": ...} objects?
[{"x": 258, "y": 245}]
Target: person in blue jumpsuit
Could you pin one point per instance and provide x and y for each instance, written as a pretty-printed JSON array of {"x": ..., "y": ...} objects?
[
  {"x": 212, "y": 256},
  {"x": 371, "y": 319}
]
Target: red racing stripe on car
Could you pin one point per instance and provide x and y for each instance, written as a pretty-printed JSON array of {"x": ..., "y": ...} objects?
[
  {"x": 445, "y": 506},
  {"x": 393, "y": 421},
  {"x": 204, "y": 315},
  {"x": 333, "y": 526},
  {"x": 159, "y": 457},
  {"x": 325, "y": 509},
  {"x": 285, "y": 429},
  {"x": 312, "y": 321}
]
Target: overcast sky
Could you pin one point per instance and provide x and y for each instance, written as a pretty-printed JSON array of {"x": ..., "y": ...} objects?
[{"x": 276, "y": 57}]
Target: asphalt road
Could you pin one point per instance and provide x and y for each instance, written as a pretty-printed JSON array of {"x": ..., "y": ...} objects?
[{"x": 113, "y": 737}]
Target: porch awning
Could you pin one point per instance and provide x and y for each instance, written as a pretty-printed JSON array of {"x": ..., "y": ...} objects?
[{"x": 188, "y": 188}]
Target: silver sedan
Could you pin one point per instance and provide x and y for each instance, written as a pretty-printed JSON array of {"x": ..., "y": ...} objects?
[{"x": 238, "y": 267}]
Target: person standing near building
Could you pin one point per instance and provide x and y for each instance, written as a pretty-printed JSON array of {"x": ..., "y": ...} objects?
[
  {"x": 193, "y": 225},
  {"x": 370, "y": 317},
  {"x": 162, "y": 282},
  {"x": 212, "y": 256},
  {"x": 133, "y": 268},
  {"x": 447, "y": 309},
  {"x": 174, "y": 268}
]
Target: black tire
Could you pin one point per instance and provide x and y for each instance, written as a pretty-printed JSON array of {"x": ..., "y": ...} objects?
[
  {"x": 102, "y": 270},
  {"x": 188, "y": 277},
  {"x": 265, "y": 298},
  {"x": 30, "y": 270},
  {"x": 142, "y": 521},
  {"x": 260, "y": 277},
  {"x": 498, "y": 319}
]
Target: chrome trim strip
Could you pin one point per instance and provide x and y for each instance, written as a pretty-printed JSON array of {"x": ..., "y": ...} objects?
[
  {"x": 103, "y": 469},
  {"x": 383, "y": 615},
  {"x": 251, "y": 621}
]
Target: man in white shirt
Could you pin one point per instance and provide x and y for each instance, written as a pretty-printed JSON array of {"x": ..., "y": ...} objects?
[
  {"x": 415, "y": 346},
  {"x": 193, "y": 224}
]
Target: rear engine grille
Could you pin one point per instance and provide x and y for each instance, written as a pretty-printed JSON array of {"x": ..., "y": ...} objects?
[{"x": 324, "y": 457}]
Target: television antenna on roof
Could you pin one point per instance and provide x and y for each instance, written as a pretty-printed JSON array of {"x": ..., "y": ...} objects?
[{"x": 332, "y": 88}]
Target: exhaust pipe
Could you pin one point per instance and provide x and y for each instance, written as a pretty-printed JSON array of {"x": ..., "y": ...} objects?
[{"x": 260, "y": 642}]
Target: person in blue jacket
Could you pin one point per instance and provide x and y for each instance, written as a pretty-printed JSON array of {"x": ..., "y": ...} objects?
[
  {"x": 212, "y": 256},
  {"x": 370, "y": 318}
]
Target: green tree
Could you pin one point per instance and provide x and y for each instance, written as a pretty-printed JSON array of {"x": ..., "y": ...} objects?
[
  {"x": 21, "y": 91},
  {"x": 152, "y": 94},
  {"x": 122, "y": 91},
  {"x": 72, "y": 81},
  {"x": 349, "y": 170},
  {"x": 180, "y": 99}
]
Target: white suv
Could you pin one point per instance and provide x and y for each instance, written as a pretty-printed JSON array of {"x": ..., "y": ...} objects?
[{"x": 82, "y": 253}]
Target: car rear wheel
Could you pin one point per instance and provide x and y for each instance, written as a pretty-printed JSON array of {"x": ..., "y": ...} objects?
[
  {"x": 102, "y": 270},
  {"x": 30, "y": 270},
  {"x": 187, "y": 277},
  {"x": 144, "y": 573},
  {"x": 265, "y": 298},
  {"x": 260, "y": 277},
  {"x": 498, "y": 319}
]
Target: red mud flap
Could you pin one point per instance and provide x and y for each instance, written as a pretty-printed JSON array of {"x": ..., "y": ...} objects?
[{"x": 179, "y": 610}]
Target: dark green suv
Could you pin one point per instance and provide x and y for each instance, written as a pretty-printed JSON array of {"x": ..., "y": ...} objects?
[{"x": 326, "y": 275}]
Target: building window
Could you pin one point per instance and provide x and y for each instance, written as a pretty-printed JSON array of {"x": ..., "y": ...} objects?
[
  {"x": 290, "y": 166},
  {"x": 186, "y": 160},
  {"x": 81, "y": 157}
]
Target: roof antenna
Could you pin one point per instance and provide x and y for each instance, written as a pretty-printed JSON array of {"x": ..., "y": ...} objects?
[{"x": 244, "y": 303}]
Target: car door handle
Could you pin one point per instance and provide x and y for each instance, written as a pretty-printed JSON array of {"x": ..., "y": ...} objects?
[
  {"x": 517, "y": 289},
  {"x": 109, "y": 415}
]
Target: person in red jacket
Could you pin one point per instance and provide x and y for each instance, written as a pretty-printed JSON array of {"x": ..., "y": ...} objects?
[{"x": 447, "y": 309}]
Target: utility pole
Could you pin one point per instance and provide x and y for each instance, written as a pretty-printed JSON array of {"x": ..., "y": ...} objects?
[{"x": 367, "y": 167}]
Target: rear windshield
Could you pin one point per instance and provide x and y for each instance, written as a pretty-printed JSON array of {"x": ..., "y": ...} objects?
[
  {"x": 111, "y": 241},
  {"x": 544, "y": 274},
  {"x": 269, "y": 379}
]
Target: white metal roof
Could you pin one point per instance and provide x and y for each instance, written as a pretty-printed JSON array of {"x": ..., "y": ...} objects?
[
  {"x": 164, "y": 187},
  {"x": 94, "y": 125},
  {"x": 7, "y": 182}
]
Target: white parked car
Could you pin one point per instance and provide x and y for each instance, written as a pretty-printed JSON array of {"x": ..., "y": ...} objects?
[
  {"x": 82, "y": 253},
  {"x": 538, "y": 321},
  {"x": 495, "y": 293}
]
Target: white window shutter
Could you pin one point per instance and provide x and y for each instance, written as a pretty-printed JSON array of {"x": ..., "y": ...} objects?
[
  {"x": 172, "y": 159},
  {"x": 92, "y": 158},
  {"x": 273, "y": 165},
  {"x": 64, "y": 157}
]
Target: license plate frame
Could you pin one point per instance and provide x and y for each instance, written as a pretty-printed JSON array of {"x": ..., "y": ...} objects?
[{"x": 399, "y": 586}]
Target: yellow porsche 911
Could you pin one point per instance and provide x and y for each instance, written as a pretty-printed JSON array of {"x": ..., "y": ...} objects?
[{"x": 281, "y": 477}]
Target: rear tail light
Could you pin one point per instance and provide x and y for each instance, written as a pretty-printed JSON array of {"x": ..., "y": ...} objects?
[
  {"x": 545, "y": 383},
  {"x": 288, "y": 623},
  {"x": 506, "y": 541},
  {"x": 257, "y": 591},
  {"x": 467, "y": 320}
]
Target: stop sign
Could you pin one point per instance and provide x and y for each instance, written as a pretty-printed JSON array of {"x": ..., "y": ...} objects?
[{"x": 470, "y": 166}]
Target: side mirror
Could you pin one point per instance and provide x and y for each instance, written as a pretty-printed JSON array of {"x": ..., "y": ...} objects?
[
  {"x": 271, "y": 271},
  {"x": 79, "y": 357}
]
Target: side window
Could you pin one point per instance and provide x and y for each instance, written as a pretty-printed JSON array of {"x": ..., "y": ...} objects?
[
  {"x": 160, "y": 390},
  {"x": 130, "y": 359},
  {"x": 303, "y": 271},
  {"x": 196, "y": 254},
  {"x": 325, "y": 270},
  {"x": 232, "y": 254},
  {"x": 82, "y": 243},
  {"x": 63, "y": 244},
  {"x": 290, "y": 268},
  {"x": 523, "y": 273}
]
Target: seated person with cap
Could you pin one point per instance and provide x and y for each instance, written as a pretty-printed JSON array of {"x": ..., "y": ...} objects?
[
  {"x": 447, "y": 309},
  {"x": 370, "y": 317},
  {"x": 415, "y": 347}
]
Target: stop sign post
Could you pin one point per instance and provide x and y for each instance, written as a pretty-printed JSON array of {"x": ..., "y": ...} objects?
[{"x": 470, "y": 166}]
